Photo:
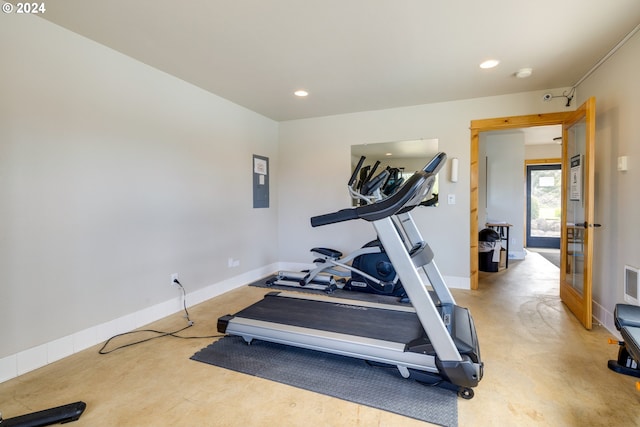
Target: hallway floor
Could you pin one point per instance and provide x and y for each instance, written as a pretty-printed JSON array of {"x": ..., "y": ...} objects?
[
  {"x": 541, "y": 369},
  {"x": 551, "y": 255}
]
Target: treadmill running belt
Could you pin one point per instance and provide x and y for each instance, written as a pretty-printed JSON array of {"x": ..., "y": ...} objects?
[{"x": 376, "y": 323}]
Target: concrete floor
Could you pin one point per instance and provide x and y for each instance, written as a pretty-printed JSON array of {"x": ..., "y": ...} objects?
[{"x": 541, "y": 369}]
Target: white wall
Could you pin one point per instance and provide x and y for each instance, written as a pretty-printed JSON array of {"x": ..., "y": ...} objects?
[
  {"x": 314, "y": 163},
  {"x": 616, "y": 87},
  {"x": 113, "y": 175},
  {"x": 543, "y": 151},
  {"x": 501, "y": 177}
]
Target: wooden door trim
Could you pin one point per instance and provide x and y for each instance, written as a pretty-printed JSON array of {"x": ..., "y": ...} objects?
[
  {"x": 485, "y": 125},
  {"x": 529, "y": 162}
]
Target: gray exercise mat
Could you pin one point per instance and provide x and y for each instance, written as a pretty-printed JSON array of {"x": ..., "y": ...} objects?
[{"x": 342, "y": 377}]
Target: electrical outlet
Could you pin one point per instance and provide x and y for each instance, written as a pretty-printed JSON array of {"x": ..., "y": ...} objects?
[{"x": 174, "y": 278}]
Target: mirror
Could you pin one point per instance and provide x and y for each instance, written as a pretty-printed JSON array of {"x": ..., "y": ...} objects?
[{"x": 402, "y": 158}]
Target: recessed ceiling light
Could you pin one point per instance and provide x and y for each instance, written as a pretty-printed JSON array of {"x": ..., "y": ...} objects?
[
  {"x": 490, "y": 63},
  {"x": 301, "y": 93},
  {"x": 523, "y": 73}
]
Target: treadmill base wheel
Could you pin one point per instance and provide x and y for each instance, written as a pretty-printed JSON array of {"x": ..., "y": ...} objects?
[{"x": 466, "y": 393}]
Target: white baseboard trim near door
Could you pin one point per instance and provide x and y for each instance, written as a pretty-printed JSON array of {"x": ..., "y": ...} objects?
[
  {"x": 605, "y": 318},
  {"x": 31, "y": 359},
  {"x": 455, "y": 282}
]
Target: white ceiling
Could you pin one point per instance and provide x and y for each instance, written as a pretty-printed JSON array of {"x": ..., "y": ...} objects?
[
  {"x": 542, "y": 135},
  {"x": 355, "y": 55}
]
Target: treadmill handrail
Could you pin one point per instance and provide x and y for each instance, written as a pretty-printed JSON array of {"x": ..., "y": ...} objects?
[
  {"x": 401, "y": 201},
  {"x": 375, "y": 183},
  {"x": 436, "y": 163},
  {"x": 331, "y": 218},
  {"x": 416, "y": 186},
  {"x": 354, "y": 175},
  {"x": 433, "y": 167}
]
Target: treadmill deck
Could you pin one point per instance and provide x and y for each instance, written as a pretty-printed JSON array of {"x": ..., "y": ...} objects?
[{"x": 400, "y": 325}]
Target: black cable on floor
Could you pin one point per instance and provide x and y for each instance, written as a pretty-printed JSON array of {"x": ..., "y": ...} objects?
[{"x": 160, "y": 334}]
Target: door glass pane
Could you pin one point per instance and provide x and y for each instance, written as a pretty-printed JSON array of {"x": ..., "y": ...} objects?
[{"x": 576, "y": 147}]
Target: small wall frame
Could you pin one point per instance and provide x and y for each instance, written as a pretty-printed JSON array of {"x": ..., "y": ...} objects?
[{"x": 260, "y": 181}]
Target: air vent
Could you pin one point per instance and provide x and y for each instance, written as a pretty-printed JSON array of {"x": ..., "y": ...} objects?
[{"x": 631, "y": 285}]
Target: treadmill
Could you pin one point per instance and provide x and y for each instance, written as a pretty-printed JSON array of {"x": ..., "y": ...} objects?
[{"x": 433, "y": 341}]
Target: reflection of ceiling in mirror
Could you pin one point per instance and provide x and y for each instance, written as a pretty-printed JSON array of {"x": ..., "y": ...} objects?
[{"x": 400, "y": 149}]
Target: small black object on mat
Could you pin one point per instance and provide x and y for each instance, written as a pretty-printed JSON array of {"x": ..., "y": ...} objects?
[{"x": 334, "y": 375}]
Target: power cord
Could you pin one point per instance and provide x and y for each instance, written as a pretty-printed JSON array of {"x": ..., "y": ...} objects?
[
  {"x": 184, "y": 302},
  {"x": 160, "y": 334}
]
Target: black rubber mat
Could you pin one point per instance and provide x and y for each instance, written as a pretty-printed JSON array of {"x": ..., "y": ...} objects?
[{"x": 342, "y": 377}]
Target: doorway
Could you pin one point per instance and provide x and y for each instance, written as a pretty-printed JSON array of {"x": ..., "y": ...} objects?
[
  {"x": 544, "y": 205},
  {"x": 486, "y": 125},
  {"x": 578, "y": 137}
]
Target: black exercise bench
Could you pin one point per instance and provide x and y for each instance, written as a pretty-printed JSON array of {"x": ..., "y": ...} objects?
[{"x": 627, "y": 321}]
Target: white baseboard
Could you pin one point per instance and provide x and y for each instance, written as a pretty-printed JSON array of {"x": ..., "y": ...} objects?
[
  {"x": 517, "y": 254},
  {"x": 220, "y": 288},
  {"x": 31, "y": 359},
  {"x": 605, "y": 318},
  {"x": 455, "y": 282}
]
